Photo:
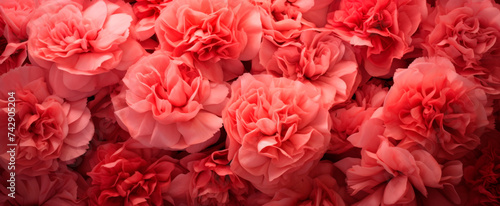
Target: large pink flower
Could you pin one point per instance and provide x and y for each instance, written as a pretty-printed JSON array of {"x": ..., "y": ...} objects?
[
  {"x": 467, "y": 32},
  {"x": 277, "y": 130},
  {"x": 390, "y": 174},
  {"x": 85, "y": 48},
  {"x": 125, "y": 175},
  {"x": 168, "y": 103},
  {"x": 318, "y": 58},
  {"x": 48, "y": 129},
  {"x": 61, "y": 187},
  {"x": 217, "y": 34},
  {"x": 432, "y": 106},
  {"x": 382, "y": 29}
]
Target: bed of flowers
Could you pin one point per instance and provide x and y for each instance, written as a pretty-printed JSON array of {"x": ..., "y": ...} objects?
[{"x": 249, "y": 102}]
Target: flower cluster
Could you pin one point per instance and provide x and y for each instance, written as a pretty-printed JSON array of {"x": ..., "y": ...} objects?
[{"x": 250, "y": 102}]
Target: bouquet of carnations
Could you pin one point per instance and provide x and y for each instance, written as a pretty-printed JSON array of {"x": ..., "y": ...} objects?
[{"x": 249, "y": 102}]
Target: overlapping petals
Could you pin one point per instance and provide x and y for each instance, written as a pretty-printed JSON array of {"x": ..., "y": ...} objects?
[
  {"x": 168, "y": 104},
  {"x": 277, "y": 129},
  {"x": 49, "y": 129}
]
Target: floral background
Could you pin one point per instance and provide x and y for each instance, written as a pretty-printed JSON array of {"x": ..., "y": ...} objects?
[{"x": 251, "y": 102}]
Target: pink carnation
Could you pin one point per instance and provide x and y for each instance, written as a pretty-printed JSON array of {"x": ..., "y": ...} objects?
[
  {"x": 125, "y": 175},
  {"x": 467, "y": 32},
  {"x": 390, "y": 174},
  {"x": 432, "y": 106},
  {"x": 318, "y": 58},
  {"x": 48, "y": 129},
  {"x": 168, "y": 104},
  {"x": 382, "y": 29},
  {"x": 217, "y": 34},
  {"x": 277, "y": 130},
  {"x": 84, "y": 48}
]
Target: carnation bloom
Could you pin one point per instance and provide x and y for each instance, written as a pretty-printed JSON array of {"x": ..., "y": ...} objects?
[
  {"x": 125, "y": 175},
  {"x": 467, "y": 32},
  {"x": 382, "y": 29},
  {"x": 61, "y": 187},
  {"x": 210, "y": 181},
  {"x": 217, "y": 34},
  {"x": 168, "y": 104},
  {"x": 391, "y": 174},
  {"x": 432, "y": 106},
  {"x": 277, "y": 130},
  {"x": 318, "y": 58},
  {"x": 47, "y": 128},
  {"x": 85, "y": 48}
]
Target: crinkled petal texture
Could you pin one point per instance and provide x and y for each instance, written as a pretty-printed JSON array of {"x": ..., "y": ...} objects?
[
  {"x": 277, "y": 129},
  {"x": 467, "y": 32},
  {"x": 61, "y": 187},
  {"x": 432, "y": 106},
  {"x": 382, "y": 29},
  {"x": 210, "y": 180},
  {"x": 391, "y": 175},
  {"x": 84, "y": 48},
  {"x": 47, "y": 128},
  {"x": 318, "y": 58},
  {"x": 126, "y": 175},
  {"x": 217, "y": 34},
  {"x": 167, "y": 104}
]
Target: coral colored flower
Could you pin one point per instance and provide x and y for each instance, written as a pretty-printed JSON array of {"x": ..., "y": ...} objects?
[
  {"x": 277, "y": 130},
  {"x": 84, "y": 48},
  {"x": 432, "y": 106},
  {"x": 125, "y": 175},
  {"x": 168, "y": 104},
  {"x": 210, "y": 180},
  {"x": 217, "y": 34},
  {"x": 391, "y": 174},
  {"x": 318, "y": 58},
  {"x": 467, "y": 32},
  {"x": 61, "y": 187},
  {"x": 48, "y": 129},
  {"x": 382, "y": 29}
]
